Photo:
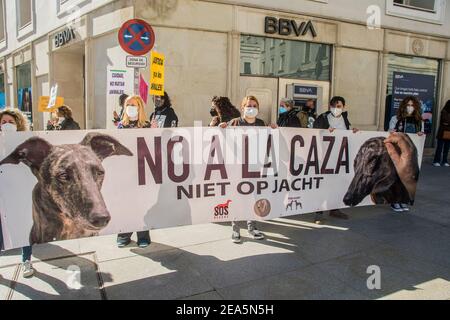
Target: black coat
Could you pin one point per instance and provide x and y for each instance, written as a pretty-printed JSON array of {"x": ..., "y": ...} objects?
[
  {"x": 444, "y": 124},
  {"x": 166, "y": 116},
  {"x": 323, "y": 123},
  {"x": 69, "y": 124},
  {"x": 289, "y": 120}
]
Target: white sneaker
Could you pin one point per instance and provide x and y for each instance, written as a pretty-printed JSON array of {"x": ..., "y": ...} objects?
[
  {"x": 446, "y": 164},
  {"x": 396, "y": 207},
  {"x": 28, "y": 270},
  {"x": 404, "y": 207},
  {"x": 256, "y": 234},
  {"x": 236, "y": 238},
  {"x": 436, "y": 164}
]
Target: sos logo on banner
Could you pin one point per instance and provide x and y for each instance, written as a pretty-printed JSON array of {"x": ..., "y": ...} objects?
[{"x": 222, "y": 211}]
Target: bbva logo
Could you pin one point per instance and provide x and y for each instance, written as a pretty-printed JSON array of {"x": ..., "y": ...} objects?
[{"x": 285, "y": 27}]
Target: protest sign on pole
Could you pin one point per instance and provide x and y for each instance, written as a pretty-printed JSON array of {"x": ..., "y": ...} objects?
[
  {"x": 117, "y": 84},
  {"x": 44, "y": 103},
  {"x": 53, "y": 95},
  {"x": 187, "y": 176},
  {"x": 157, "y": 74}
]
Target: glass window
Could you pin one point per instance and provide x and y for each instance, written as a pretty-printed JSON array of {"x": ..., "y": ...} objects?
[
  {"x": 413, "y": 76},
  {"x": 2, "y": 91},
  {"x": 428, "y": 5},
  {"x": 2, "y": 20},
  {"x": 24, "y": 101},
  {"x": 287, "y": 58},
  {"x": 24, "y": 13},
  {"x": 247, "y": 68}
]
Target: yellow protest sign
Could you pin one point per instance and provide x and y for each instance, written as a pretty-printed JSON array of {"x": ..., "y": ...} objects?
[
  {"x": 43, "y": 104},
  {"x": 157, "y": 74}
]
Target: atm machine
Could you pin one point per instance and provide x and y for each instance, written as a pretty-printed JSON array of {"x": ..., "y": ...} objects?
[{"x": 300, "y": 93}]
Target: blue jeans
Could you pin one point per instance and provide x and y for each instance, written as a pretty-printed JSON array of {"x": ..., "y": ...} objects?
[
  {"x": 26, "y": 253},
  {"x": 443, "y": 145}
]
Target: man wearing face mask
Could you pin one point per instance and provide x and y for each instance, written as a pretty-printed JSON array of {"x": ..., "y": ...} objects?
[
  {"x": 335, "y": 119},
  {"x": 164, "y": 115}
]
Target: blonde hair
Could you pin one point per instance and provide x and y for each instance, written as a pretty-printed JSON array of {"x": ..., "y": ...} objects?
[
  {"x": 142, "y": 118},
  {"x": 20, "y": 119},
  {"x": 247, "y": 99}
]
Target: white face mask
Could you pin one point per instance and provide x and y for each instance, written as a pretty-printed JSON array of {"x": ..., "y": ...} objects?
[
  {"x": 9, "y": 127},
  {"x": 337, "y": 112},
  {"x": 251, "y": 113},
  {"x": 133, "y": 112},
  {"x": 61, "y": 119},
  {"x": 410, "y": 110}
]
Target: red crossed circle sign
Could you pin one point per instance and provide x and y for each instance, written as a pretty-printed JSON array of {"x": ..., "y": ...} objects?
[{"x": 137, "y": 37}]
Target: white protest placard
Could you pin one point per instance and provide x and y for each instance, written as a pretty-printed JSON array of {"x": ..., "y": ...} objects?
[
  {"x": 117, "y": 84},
  {"x": 53, "y": 96}
]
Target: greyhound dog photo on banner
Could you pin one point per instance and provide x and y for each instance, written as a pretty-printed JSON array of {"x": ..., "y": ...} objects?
[{"x": 66, "y": 185}]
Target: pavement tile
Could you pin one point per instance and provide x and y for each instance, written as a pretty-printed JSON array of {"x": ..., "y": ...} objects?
[
  {"x": 55, "y": 280},
  {"x": 158, "y": 276},
  {"x": 309, "y": 283}
]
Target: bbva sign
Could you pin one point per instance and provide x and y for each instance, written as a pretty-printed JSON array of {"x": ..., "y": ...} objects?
[
  {"x": 64, "y": 37},
  {"x": 285, "y": 27}
]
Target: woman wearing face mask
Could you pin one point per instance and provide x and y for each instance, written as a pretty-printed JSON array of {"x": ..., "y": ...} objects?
[
  {"x": 222, "y": 110},
  {"x": 134, "y": 118},
  {"x": 288, "y": 115},
  {"x": 249, "y": 114},
  {"x": 12, "y": 120},
  {"x": 64, "y": 120},
  {"x": 407, "y": 120},
  {"x": 164, "y": 115}
]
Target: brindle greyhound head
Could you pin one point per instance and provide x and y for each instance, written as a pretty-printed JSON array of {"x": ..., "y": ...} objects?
[
  {"x": 67, "y": 201},
  {"x": 375, "y": 175}
]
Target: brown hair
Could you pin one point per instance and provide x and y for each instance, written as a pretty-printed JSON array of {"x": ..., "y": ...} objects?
[
  {"x": 226, "y": 108},
  {"x": 402, "y": 113},
  {"x": 66, "y": 112},
  {"x": 20, "y": 119}
]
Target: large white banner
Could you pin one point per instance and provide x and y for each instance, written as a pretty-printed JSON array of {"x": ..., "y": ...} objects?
[{"x": 74, "y": 184}]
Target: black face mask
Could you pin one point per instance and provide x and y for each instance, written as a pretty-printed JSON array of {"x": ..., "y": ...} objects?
[{"x": 214, "y": 113}]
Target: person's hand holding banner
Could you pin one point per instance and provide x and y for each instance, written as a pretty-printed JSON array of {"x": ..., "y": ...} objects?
[{"x": 402, "y": 152}]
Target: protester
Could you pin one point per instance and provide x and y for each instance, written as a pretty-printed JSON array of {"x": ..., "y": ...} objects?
[
  {"x": 134, "y": 117},
  {"x": 288, "y": 115},
  {"x": 12, "y": 120},
  {"x": 164, "y": 115},
  {"x": 222, "y": 110},
  {"x": 308, "y": 115},
  {"x": 334, "y": 119},
  {"x": 443, "y": 138},
  {"x": 118, "y": 116},
  {"x": 407, "y": 120},
  {"x": 64, "y": 120},
  {"x": 248, "y": 118}
]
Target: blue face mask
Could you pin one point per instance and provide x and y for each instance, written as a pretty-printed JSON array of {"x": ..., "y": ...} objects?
[{"x": 282, "y": 110}]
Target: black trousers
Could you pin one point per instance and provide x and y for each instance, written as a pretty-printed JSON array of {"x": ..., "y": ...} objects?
[
  {"x": 443, "y": 145},
  {"x": 142, "y": 235}
]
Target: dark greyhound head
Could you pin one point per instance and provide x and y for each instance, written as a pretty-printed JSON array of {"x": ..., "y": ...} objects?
[
  {"x": 70, "y": 178},
  {"x": 375, "y": 175}
]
